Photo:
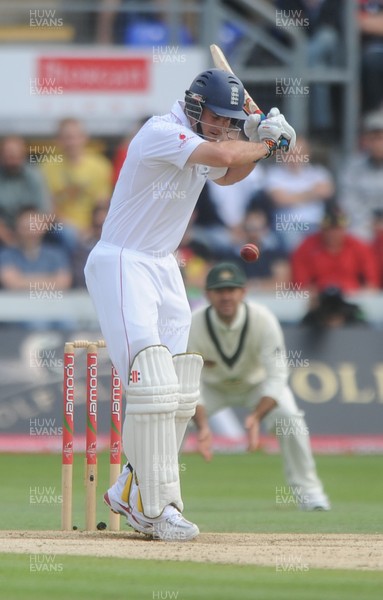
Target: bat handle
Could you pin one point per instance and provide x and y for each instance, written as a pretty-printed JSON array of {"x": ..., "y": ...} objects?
[
  {"x": 284, "y": 145},
  {"x": 259, "y": 112}
]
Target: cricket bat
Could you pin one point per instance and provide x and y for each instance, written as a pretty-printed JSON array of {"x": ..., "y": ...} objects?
[
  {"x": 250, "y": 107},
  {"x": 220, "y": 61}
]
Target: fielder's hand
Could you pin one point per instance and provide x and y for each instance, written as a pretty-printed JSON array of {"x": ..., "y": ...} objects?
[
  {"x": 204, "y": 443},
  {"x": 253, "y": 427}
]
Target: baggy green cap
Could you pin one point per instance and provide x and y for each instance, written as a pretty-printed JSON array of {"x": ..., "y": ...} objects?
[{"x": 225, "y": 275}]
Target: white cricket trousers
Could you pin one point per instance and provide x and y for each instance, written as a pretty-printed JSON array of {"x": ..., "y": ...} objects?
[
  {"x": 287, "y": 422},
  {"x": 140, "y": 301}
]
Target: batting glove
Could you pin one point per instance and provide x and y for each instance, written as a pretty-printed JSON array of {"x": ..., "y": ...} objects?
[
  {"x": 276, "y": 132},
  {"x": 252, "y": 122},
  {"x": 255, "y": 133},
  {"x": 274, "y": 112},
  {"x": 250, "y": 127}
]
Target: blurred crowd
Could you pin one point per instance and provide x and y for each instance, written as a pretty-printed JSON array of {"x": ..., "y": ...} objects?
[
  {"x": 317, "y": 222},
  {"x": 316, "y": 228}
]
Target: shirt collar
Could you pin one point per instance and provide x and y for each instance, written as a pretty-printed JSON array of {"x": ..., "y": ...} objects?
[
  {"x": 178, "y": 112},
  {"x": 238, "y": 322}
]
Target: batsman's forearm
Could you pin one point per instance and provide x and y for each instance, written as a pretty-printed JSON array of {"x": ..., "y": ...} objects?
[
  {"x": 231, "y": 154},
  {"x": 235, "y": 174},
  {"x": 241, "y": 153},
  {"x": 265, "y": 405}
]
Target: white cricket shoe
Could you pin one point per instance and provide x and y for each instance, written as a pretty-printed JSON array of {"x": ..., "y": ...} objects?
[
  {"x": 312, "y": 503},
  {"x": 132, "y": 516},
  {"x": 170, "y": 526}
]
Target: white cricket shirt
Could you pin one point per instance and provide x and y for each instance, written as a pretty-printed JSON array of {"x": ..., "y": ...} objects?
[
  {"x": 256, "y": 359},
  {"x": 157, "y": 191}
]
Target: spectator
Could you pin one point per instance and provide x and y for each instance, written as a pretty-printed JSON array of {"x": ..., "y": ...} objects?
[
  {"x": 333, "y": 257},
  {"x": 299, "y": 191},
  {"x": 135, "y": 28},
  {"x": 330, "y": 310},
  {"x": 194, "y": 259},
  {"x": 221, "y": 209},
  {"x": 361, "y": 179},
  {"x": 32, "y": 264},
  {"x": 19, "y": 182},
  {"x": 370, "y": 23},
  {"x": 82, "y": 180},
  {"x": 208, "y": 226},
  {"x": 232, "y": 201},
  {"x": 377, "y": 243},
  {"x": 322, "y": 19},
  {"x": 86, "y": 244},
  {"x": 272, "y": 265}
]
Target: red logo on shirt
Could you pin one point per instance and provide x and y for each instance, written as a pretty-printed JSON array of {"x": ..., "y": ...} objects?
[{"x": 183, "y": 138}]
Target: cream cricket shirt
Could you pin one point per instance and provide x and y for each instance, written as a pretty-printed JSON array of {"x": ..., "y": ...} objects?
[
  {"x": 237, "y": 357},
  {"x": 156, "y": 192}
]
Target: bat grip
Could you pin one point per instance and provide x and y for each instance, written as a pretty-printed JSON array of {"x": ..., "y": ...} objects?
[
  {"x": 259, "y": 112},
  {"x": 284, "y": 145}
]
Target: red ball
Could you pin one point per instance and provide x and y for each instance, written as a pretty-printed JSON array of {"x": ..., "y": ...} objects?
[{"x": 249, "y": 252}]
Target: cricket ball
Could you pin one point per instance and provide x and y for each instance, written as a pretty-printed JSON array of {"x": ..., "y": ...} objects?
[{"x": 249, "y": 252}]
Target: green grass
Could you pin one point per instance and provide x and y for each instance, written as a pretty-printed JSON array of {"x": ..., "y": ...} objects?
[
  {"x": 118, "y": 579},
  {"x": 246, "y": 485},
  {"x": 232, "y": 493}
]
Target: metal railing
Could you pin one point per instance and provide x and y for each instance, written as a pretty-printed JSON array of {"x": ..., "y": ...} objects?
[{"x": 256, "y": 28}]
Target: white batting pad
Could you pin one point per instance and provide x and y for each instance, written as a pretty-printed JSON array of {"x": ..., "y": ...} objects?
[
  {"x": 188, "y": 367},
  {"x": 149, "y": 434}
]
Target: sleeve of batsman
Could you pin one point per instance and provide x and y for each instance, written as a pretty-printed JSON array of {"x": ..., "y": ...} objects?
[
  {"x": 188, "y": 368},
  {"x": 149, "y": 436}
]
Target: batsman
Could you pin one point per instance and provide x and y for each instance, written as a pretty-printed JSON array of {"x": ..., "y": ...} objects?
[{"x": 137, "y": 289}]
